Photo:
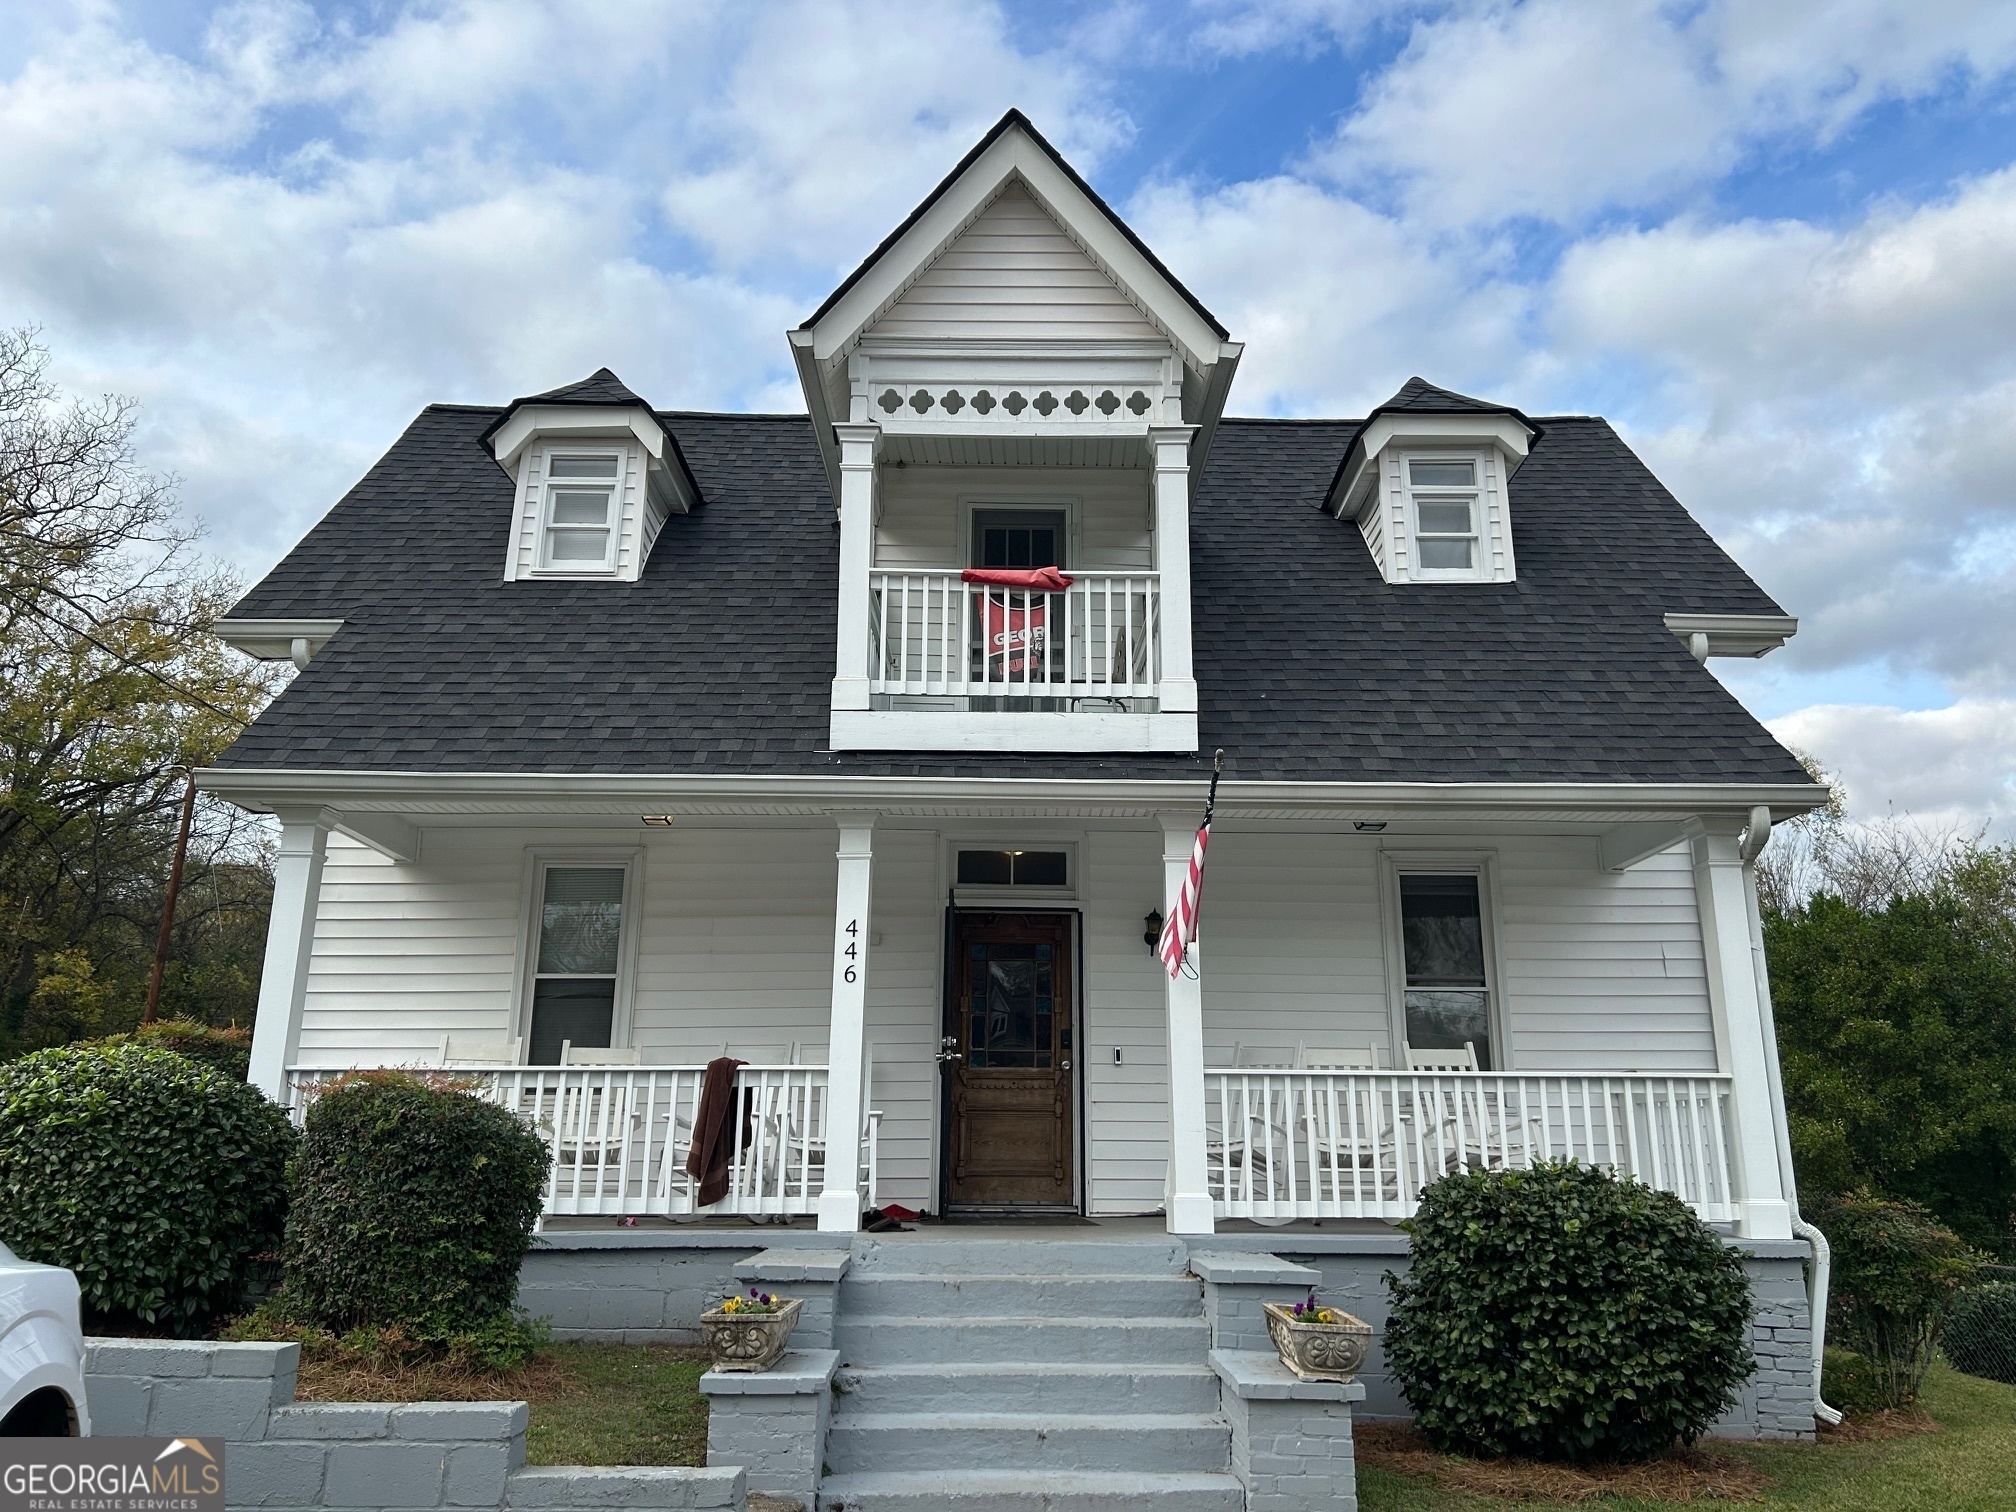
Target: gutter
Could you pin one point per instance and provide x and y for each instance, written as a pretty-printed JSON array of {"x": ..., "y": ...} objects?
[{"x": 1820, "y": 1271}]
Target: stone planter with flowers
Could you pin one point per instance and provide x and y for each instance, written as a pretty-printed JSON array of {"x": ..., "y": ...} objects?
[
  {"x": 749, "y": 1332},
  {"x": 1318, "y": 1343}
]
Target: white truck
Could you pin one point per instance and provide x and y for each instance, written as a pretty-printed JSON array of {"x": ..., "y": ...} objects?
[{"x": 41, "y": 1352}]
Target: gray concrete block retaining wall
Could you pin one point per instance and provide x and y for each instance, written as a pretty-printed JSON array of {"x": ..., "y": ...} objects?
[
  {"x": 774, "y": 1423},
  {"x": 376, "y": 1456},
  {"x": 1291, "y": 1439}
]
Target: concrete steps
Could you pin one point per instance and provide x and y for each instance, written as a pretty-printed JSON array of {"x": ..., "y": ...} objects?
[
  {"x": 1139, "y": 1442},
  {"x": 888, "y": 1340},
  {"x": 1025, "y": 1376},
  {"x": 1021, "y": 1491},
  {"x": 1037, "y": 1389},
  {"x": 915, "y": 1294}
]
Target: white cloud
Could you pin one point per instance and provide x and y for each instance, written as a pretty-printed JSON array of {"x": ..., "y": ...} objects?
[
  {"x": 1337, "y": 304},
  {"x": 1839, "y": 405},
  {"x": 1558, "y": 108},
  {"x": 1944, "y": 766}
]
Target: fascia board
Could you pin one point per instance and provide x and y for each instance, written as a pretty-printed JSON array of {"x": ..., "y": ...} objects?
[
  {"x": 273, "y": 639},
  {"x": 533, "y": 420},
  {"x": 1223, "y": 371},
  {"x": 805, "y": 357},
  {"x": 926, "y": 238},
  {"x": 1750, "y": 635},
  {"x": 1009, "y": 155},
  {"x": 1112, "y": 250},
  {"x": 475, "y": 792}
]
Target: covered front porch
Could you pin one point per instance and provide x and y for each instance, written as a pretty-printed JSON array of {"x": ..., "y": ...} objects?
[{"x": 951, "y": 1003}]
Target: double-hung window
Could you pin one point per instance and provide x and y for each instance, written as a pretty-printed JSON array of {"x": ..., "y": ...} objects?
[
  {"x": 577, "y": 959},
  {"x": 1447, "y": 991},
  {"x": 578, "y": 526},
  {"x": 1446, "y": 504}
]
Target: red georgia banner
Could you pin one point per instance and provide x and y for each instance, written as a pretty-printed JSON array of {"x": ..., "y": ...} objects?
[{"x": 1017, "y": 624}]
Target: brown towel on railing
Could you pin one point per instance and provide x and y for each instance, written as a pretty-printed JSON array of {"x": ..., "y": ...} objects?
[{"x": 714, "y": 1140}]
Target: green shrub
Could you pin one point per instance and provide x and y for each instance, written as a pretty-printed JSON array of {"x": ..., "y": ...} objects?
[
  {"x": 157, "y": 1179},
  {"x": 1896, "y": 1274},
  {"x": 1981, "y": 1332},
  {"x": 1849, "y": 1382},
  {"x": 413, "y": 1204},
  {"x": 1562, "y": 1314},
  {"x": 229, "y": 1050}
]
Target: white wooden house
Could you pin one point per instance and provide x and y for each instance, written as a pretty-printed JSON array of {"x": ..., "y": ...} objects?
[{"x": 627, "y": 738}]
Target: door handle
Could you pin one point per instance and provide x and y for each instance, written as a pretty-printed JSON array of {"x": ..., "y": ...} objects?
[
  {"x": 1067, "y": 1065},
  {"x": 946, "y": 1057}
]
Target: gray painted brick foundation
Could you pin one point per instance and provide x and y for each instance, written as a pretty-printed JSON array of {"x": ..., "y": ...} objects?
[
  {"x": 774, "y": 1423},
  {"x": 1291, "y": 1439},
  {"x": 289, "y": 1456}
]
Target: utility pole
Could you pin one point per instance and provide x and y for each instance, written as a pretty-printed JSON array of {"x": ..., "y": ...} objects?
[{"x": 168, "y": 907}]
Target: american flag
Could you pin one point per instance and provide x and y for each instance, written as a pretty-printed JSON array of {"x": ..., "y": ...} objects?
[{"x": 1179, "y": 932}]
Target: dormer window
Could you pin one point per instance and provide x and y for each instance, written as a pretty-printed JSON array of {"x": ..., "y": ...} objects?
[
  {"x": 1444, "y": 494},
  {"x": 578, "y": 529}
]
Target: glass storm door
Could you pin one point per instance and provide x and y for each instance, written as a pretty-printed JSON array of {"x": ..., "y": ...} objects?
[{"x": 1008, "y": 1070}]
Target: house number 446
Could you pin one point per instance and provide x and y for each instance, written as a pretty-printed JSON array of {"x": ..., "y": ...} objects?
[{"x": 850, "y": 952}]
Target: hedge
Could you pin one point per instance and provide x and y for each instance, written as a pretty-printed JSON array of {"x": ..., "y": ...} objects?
[
  {"x": 413, "y": 1204},
  {"x": 1563, "y": 1314},
  {"x": 156, "y": 1178}
]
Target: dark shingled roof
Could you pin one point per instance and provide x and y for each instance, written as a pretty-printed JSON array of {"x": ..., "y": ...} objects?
[
  {"x": 719, "y": 659},
  {"x": 599, "y": 387},
  {"x": 1419, "y": 394}
]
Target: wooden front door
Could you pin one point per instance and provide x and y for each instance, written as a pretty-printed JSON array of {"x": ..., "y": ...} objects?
[{"x": 1008, "y": 1060}]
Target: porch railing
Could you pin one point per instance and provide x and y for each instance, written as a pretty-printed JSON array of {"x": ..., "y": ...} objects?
[
  {"x": 930, "y": 633},
  {"x": 619, "y": 1135},
  {"x": 1362, "y": 1144}
]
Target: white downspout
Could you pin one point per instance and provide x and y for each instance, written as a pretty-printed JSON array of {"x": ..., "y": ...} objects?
[{"x": 1820, "y": 1272}]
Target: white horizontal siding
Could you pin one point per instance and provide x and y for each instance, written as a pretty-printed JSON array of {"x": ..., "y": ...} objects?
[
  {"x": 1127, "y": 1105},
  {"x": 921, "y": 522},
  {"x": 1603, "y": 970},
  {"x": 1013, "y": 274}
]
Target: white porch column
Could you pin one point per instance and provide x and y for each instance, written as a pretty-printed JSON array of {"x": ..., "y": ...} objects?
[
  {"x": 1724, "y": 891},
  {"x": 846, "y": 1096},
  {"x": 858, "y": 445},
  {"x": 290, "y": 936},
  {"x": 1169, "y": 449},
  {"x": 1189, "y": 1184}
]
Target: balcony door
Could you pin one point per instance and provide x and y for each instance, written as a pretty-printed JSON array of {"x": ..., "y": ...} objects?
[{"x": 1010, "y": 1129}]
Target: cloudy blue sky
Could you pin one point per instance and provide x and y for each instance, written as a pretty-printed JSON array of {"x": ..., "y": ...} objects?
[{"x": 1774, "y": 243}]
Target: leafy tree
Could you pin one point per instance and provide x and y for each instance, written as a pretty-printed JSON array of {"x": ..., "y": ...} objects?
[
  {"x": 1892, "y": 951},
  {"x": 110, "y": 689}
]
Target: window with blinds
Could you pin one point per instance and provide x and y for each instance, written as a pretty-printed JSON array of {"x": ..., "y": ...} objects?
[
  {"x": 1448, "y": 997},
  {"x": 576, "y": 964}
]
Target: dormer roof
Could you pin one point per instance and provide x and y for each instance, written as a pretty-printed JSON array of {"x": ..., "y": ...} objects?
[
  {"x": 600, "y": 387},
  {"x": 1417, "y": 410}
]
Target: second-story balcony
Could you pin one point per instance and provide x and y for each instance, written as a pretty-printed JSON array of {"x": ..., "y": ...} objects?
[{"x": 937, "y": 639}]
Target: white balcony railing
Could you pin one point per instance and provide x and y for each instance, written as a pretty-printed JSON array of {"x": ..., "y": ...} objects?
[
  {"x": 930, "y": 633},
  {"x": 619, "y": 1135},
  {"x": 1286, "y": 1144}
]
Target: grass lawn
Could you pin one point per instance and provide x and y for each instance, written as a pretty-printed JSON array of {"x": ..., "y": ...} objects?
[
  {"x": 591, "y": 1404},
  {"x": 1970, "y": 1466},
  {"x": 623, "y": 1404}
]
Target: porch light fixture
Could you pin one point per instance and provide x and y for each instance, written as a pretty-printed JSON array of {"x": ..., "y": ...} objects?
[
  {"x": 1154, "y": 932},
  {"x": 659, "y": 821},
  {"x": 1370, "y": 826}
]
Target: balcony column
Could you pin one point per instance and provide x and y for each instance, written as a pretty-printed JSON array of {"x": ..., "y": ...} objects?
[
  {"x": 1725, "y": 892},
  {"x": 858, "y": 446},
  {"x": 846, "y": 1097},
  {"x": 1169, "y": 451},
  {"x": 1189, "y": 1185},
  {"x": 290, "y": 937}
]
